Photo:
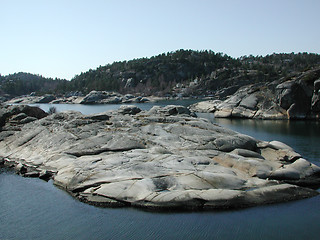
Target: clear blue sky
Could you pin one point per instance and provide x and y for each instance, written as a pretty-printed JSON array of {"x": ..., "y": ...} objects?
[{"x": 61, "y": 38}]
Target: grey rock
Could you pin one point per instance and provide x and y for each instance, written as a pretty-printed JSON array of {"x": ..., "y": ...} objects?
[
  {"x": 229, "y": 143},
  {"x": 99, "y": 116},
  {"x": 285, "y": 94},
  {"x": 247, "y": 153},
  {"x": 28, "y": 120},
  {"x": 249, "y": 102},
  {"x": 205, "y": 106},
  {"x": 20, "y": 112},
  {"x": 169, "y": 110},
  {"x": 111, "y": 100},
  {"x": 95, "y": 97},
  {"x": 102, "y": 97},
  {"x": 129, "y": 109},
  {"x": 128, "y": 96},
  {"x": 46, "y": 99},
  {"x": 5, "y": 134},
  {"x": 142, "y": 99},
  {"x": 19, "y": 117},
  {"x": 162, "y": 158},
  {"x": 241, "y": 112},
  {"x": 279, "y": 145},
  {"x": 252, "y": 101}
]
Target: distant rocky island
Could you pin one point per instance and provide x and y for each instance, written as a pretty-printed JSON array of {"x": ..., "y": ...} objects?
[
  {"x": 164, "y": 158},
  {"x": 94, "y": 97}
]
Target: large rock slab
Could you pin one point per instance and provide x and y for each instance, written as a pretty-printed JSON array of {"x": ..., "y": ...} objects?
[
  {"x": 253, "y": 102},
  {"x": 163, "y": 158}
]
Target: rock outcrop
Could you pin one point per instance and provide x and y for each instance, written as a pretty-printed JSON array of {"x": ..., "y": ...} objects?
[
  {"x": 297, "y": 98},
  {"x": 15, "y": 114},
  {"x": 162, "y": 158},
  {"x": 94, "y": 97}
]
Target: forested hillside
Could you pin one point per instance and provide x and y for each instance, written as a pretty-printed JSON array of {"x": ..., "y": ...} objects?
[
  {"x": 26, "y": 83},
  {"x": 191, "y": 72},
  {"x": 183, "y": 72}
]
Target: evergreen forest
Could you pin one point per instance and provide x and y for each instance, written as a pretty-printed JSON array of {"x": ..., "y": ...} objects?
[{"x": 185, "y": 72}]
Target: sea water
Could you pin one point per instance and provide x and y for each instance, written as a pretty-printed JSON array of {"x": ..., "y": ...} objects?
[{"x": 35, "y": 209}]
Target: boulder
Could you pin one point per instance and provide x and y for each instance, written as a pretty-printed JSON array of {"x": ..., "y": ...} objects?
[
  {"x": 19, "y": 113},
  {"x": 46, "y": 99},
  {"x": 111, "y": 100},
  {"x": 141, "y": 99},
  {"x": 169, "y": 110},
  {"x": 95, "y": 97},
  {"x": 99, "y": 116},
  {"x": 100, "y": 97},
  {"x": 205, "y": 106},
  {"x": 129, "y": 109}
]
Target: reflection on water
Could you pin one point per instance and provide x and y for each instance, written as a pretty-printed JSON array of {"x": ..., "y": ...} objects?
[
  {"x": 268, "y": 128},
  {"x": 34, "y": 209}
]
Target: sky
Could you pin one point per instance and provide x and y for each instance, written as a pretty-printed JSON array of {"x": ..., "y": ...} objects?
[{"x": 62, "y": 38}]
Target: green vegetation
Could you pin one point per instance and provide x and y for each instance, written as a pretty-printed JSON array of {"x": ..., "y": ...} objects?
[
  {"x": 180, "y": 72},
  {"x": 26, "y": 83},
  {"x": 150, "y": 75}
]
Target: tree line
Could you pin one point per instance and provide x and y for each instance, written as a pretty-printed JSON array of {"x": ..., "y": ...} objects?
[
  {"x": 21, "y": 83},
  {"x": 201, "y": 71}
]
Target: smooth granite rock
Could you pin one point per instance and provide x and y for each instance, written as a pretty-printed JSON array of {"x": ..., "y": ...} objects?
[{"x": 163, "y": 158}]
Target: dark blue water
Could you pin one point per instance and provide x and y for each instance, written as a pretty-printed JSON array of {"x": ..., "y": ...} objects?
[
  {"x": 34, "y": 209},
  {"x": 303, "y": 136}
]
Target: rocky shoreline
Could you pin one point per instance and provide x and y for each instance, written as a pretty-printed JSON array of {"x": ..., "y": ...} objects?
[
  {"x": 94, "y": 97},
  {"x": 293, "y": 99},
  {"x": 164, "y": 158}
]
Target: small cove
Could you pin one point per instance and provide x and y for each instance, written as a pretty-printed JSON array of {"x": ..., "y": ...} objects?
[{"x": 34, "y": 209}]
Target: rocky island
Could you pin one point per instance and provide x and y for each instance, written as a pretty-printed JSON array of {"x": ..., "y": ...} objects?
[{"x": 164, "y": 158}]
